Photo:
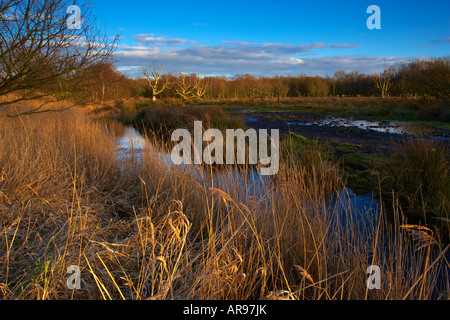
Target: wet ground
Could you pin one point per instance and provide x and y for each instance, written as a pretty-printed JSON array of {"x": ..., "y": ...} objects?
[
  {"x": 362, "y": 209},
  {"x": 372, "y": 136}
]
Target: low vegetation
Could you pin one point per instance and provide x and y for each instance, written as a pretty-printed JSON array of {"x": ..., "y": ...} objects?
[
  {"x": 163, "y": 120},
  {"x": 371, "y": 108},
  {"x": 141, "y": 229},
  {"x": 418, "y": 172}
]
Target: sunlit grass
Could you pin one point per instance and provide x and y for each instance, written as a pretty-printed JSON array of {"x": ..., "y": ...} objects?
[{"x": 145, "y": 230}]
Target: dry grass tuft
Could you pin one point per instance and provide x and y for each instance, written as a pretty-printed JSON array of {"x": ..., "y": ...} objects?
[
  {"x": 139, "y": 229},
  {"x": 422, "y": 236}
]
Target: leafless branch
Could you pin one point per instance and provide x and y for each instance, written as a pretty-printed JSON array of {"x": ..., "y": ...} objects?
[
  {"x": 383, "y": 80},
  {"x": 41, "y": 55},
  {"x": 153, "y": 79}
]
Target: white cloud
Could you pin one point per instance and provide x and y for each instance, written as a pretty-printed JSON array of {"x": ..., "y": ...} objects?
[
  {"x": 150, "y": 39},
  {"x": 237, "y": 57}
]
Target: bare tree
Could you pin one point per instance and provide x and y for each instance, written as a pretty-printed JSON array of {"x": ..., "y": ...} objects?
[
  {"x": 279, "y": 87},
  {"x": 430, "y": 77},
  {"x": 261, "y": 88},
  {"x": 185, "y": 87},
  {"x": 200, "y": 87},
  {"x": 153, "y": 79},
  {"x": 42, "y": 56},
  {"x": 383, "y": 80},
  {"x": 104, "y": 83}
]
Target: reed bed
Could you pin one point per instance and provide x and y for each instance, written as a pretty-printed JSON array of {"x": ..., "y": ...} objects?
[{"x": 141, "y": 229}]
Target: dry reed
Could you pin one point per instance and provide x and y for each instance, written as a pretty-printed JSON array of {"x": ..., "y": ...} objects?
[{"x": 145, "y": 230}]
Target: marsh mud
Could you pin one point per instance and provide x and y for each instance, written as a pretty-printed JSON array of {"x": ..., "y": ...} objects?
[{"x": 372, "y": 136}]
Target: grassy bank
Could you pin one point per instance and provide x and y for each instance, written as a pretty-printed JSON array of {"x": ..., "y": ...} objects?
[
  {"x": 144, "y": 230},
  {"x": 426, "y": 112},
  {"x": 163, "y": 120},
  {"x": 414, "y": 170},
  {"x": 418, "y": 171}
]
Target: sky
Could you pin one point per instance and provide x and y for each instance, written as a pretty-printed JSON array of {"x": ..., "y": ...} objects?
[{"x": 277, "y": 37}]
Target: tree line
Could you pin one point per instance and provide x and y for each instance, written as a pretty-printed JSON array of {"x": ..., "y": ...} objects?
[
  {"x": 420, "y": 78},
  {"x": 43, "y": 57}
]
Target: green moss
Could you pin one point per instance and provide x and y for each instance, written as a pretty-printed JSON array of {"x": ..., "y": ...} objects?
[
  {"x": 359, "y": 167},
  {"x": 298, "y": 137}
]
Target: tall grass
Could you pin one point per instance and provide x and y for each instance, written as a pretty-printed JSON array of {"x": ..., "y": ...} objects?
[
  {"x": 418, "y": 172},
  {"x": 311, "y": 158},
  {"x": 162, "y": 120},
  {"x": 140, "y": 229}
]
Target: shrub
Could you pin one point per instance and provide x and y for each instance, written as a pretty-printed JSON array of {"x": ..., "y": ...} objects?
[
  {"x": 418, "y": 173},
  {"x": 163, "y": 120},
  {"x": 312, "y": 159}
]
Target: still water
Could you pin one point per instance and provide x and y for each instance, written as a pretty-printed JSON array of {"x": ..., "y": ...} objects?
[{"x": 345, "y": 203}]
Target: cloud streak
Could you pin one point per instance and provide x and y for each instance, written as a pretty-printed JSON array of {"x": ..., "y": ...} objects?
[
  {"x": 150, "y": 39},
  {"x": 435, "y": 42},
  {"x": 200, "y": 24},
  {"x": 237, "y": 57},
  {"x": 346, "y": 45},
  {"x": 445, "y": 40}
]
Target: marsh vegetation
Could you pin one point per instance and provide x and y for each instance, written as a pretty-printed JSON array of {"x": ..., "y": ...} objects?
[
  {"x": 140, "y": 229},
  {"x": 86, "y": 181}
]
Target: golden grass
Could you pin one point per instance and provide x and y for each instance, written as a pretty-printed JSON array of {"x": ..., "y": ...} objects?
[{"x": 144, "y": 230}]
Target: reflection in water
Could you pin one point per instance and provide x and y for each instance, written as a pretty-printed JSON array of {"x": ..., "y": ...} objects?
[
  {"x": 355, "y": 212},
  {"x": 332, "y": 121},
  {"x": 132, "y": 140},
  {"x": 346, "y": 204},
  {"x": 355, "y": 217},
  {"x": 377, "y": 126}
]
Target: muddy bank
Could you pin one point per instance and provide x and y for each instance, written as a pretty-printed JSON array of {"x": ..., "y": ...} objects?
[{"x": 380, "y": 137}]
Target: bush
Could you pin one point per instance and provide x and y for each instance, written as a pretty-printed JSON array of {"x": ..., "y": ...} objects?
[
  {"x": 119, "y": 103},
  {"x": 439, "y": 111},
  {"x": 162, "y": 120},
  {"x": 418, "y": 174}
]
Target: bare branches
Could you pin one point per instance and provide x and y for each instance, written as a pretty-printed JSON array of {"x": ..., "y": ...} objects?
[
  {"x": 153, "y": 79},
  {"x": 383, "y": 80},
  {"x": 39, "y": 110},
  {"x": 279, "y": 87},
  {"x": 190, "y": 86},
  {"x": 185, "y": 87},
  {"x": 41, "y": 56},
  {"x": 5, "y": 5},
  {"x": 201, "y": 86},
  {"x": 430, "y": 77},
  {"x": 261, "y": 88}
]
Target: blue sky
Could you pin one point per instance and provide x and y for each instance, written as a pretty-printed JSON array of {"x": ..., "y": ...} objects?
[{"x": 272, "y": 37}]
